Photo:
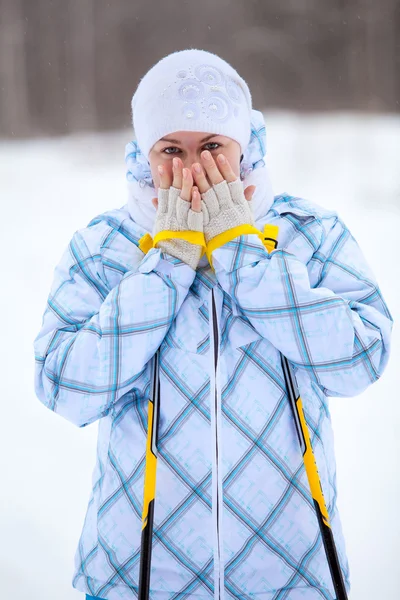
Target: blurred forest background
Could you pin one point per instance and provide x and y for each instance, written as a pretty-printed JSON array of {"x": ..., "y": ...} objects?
[{"x": 73, "y": 65}]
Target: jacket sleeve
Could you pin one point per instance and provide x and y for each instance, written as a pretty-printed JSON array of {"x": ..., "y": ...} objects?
[
  {"x": 337, "y": 329},
  {"x": 94, "y": 341}
]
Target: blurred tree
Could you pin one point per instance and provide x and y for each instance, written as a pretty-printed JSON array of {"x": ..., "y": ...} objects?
[
  {"x": 14, "y": 102},
  {"x": 82, "y": 72},
  {"x": 69, "y": 65}
]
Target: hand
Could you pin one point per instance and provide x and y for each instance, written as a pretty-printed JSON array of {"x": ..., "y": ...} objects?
[
  {"x": 225, "y": 205},
  {"x": 179, "y": 209},
  {"x": 189, "y": 192}
]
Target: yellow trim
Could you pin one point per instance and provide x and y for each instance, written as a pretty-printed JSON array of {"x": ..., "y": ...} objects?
[
  {"x": 311, "y": 466},
  {"x": 226, "y": 236},
  {"x": 146, "y": 243},
  {"x": 270, "y": 236},
  {"x": 151, "y": 467},
  {"x": 194, "y": 237}
]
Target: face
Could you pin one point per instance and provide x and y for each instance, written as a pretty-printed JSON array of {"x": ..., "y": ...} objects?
[{"x": 188, "y": 146}]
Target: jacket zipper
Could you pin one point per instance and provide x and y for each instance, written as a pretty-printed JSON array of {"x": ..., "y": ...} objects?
[{"x": 218, "y": 591}]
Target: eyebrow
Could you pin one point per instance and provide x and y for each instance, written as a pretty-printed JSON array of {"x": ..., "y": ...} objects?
[{"x": 174, "y": 141}]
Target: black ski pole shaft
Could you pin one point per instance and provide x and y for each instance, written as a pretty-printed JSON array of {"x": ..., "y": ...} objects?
[
  {"x": 314, "y": 480},
  {"x": 150, "y": 482}
]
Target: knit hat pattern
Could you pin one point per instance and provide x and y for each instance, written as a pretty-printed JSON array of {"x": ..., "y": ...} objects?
[{"x": 191, "y": 90}]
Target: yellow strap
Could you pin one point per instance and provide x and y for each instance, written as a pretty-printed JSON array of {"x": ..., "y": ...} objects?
[
  {"x": 228, "y": 235},
  {"x": 146, "y": 242},
  {"x": 270, "y": 237},
  {"x": 194, "y": 237}
]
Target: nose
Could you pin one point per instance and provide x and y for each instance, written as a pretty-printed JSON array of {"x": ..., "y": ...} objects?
[{"x": 191, "y": 158}]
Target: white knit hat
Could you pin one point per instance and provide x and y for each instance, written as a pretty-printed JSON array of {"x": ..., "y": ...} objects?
[{"x": 191, "y": 90}]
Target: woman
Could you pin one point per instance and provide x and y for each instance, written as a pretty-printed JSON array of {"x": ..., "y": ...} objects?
[{"x": 234, "y": 517}]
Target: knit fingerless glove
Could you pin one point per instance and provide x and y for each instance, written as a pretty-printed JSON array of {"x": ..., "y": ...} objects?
[
  {"x": 175, "y": 215},
  {"x": 225, "y": 207},
  {"x": 227, "y": 214}
]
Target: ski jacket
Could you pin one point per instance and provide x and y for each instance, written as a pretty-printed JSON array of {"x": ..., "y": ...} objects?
[{"x": 234, "y": 516}]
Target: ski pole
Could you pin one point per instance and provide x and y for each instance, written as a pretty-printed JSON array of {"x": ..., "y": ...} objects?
[
  {"x": 150, "y": 482},
  {"x": 271, "y": 243},
  {"x": 314, "y": 480}
]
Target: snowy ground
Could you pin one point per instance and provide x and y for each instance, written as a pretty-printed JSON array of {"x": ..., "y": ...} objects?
[{"x": 51, "y": 187}]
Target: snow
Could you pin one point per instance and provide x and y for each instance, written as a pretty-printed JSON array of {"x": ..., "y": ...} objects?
[{"x": 51, "y": 187}]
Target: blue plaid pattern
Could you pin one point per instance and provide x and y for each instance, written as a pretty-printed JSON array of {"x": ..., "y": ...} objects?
[{"x": 110, "y": 307}]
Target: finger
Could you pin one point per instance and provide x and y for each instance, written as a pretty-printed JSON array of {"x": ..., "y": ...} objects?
[
  {"x": 249, "y": 192},
  {"x": 196, "y": 200},
  {"x": 211, "y": 168},
  {"x": 225, "y": 168},
  {"x": 165, "y": 177},
  {"x": 182, "y": 209},
  {"x": 186, "y": 193},
  {"x": 236, "y": 191},
  {"x": 200, "y": 178},
  {"x": 211, "y": 201},
  {"x": 177, "y": 166},
  {"x": 195, "y": 220},
  {"x": 155, "y": 203},
  {"x": 206, "y": 214},
  {"x": 163, "y": 200}
]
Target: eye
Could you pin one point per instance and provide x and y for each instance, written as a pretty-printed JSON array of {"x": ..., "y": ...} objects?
[
  {"x": 213, "y": 143},
  {"x": 205, "y": 146},
  {"x": 169, "y": 148}
]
